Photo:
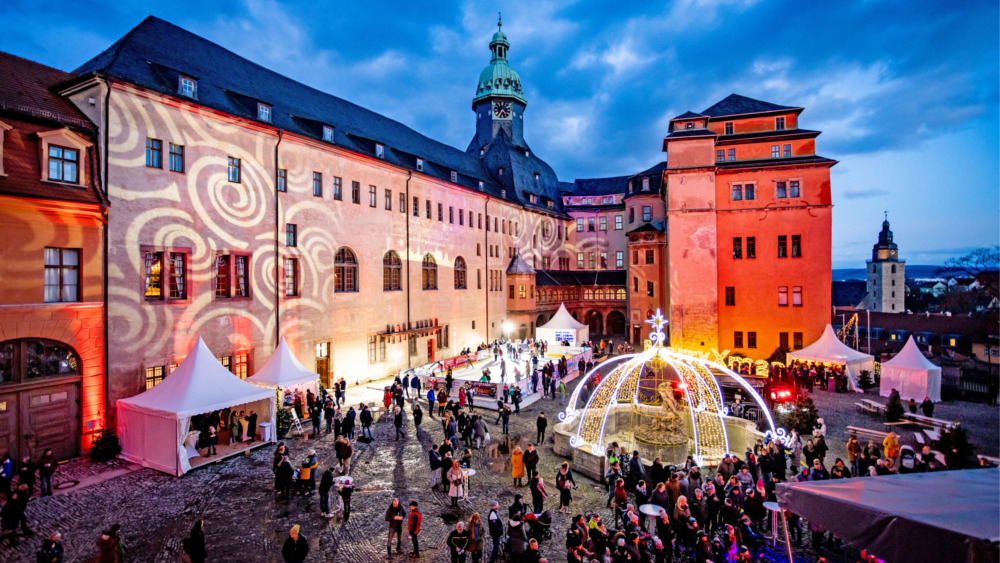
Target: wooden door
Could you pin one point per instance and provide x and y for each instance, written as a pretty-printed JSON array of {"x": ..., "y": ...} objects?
[
  {"x": 50, "y": 418},
  {"x": 430, "y": 351},
  {"x": 636, "y": 335},
  {"x": 323, "y": 369},
  {"x": 9, "y": 442}
]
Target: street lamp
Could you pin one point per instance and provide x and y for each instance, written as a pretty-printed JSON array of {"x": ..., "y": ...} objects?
[{"x": 508, "y": 327}]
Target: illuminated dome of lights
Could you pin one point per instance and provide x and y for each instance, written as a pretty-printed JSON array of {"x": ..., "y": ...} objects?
[{"x": 659, "y": 384}]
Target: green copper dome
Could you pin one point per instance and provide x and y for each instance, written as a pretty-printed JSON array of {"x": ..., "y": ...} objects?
[{"x": 498, "y": 79}]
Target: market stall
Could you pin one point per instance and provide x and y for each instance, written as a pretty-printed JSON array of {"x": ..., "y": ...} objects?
[
  {"x": 155, "y": 427},
  {"x": 912, "y": 374},
  {"x": 563, "y": 328},
  {"x": 830, "y": 350},
  {"x": 285, "y": 373}
]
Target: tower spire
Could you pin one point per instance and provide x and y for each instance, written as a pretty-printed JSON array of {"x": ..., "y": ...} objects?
[{"x": 499, "y": 20}]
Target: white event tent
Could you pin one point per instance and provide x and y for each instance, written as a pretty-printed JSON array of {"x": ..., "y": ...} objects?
[
  {"x": 912, "y": 374},
  {"x": 563, "y": 327},
  {"x": 830, "y": 350},
  {"x": 284, "y": 371},
  {"x": 153, "y": 426}
]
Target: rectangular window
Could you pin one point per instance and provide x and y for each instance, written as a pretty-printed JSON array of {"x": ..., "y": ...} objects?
[
  {"x": 482, "y": 186},
  {"x": 327, "y": 133},
  {"x": 189, "y": 88},
  {"x": 645, "y": 184},
  {"x": 479, "y": 281},
  {"x": 796, "y": 246},
  {"x": 618, "y": 223},
  {"x": 372, "y": 196},
  {"x": 522, "y": 292},
  {"x": 649, "y": 257},
  {"x": 545, "y": 263},
  {"x": 178, "y": 288},
  {"x": 737, "y": 248},
  {"x": 749, "y": 192},
  {"x": 751, "y": 247},
  {"x": 590, "y": 224},
  {"x": 240, "y": 364},
  {"x": 176, "y": 158},
  {"x": 593, "y": 260},
  {"x": 379, "y": 151},
  {"x": 510, "y": 292},
  {"x": 440, "y": 213},
  {"x": 635, "y": 284},
  {"x": 454, "y": 177},
  {"x": 619, "y": 259},
  {"x": 154, "y": 153},
  {"x": 796, "y": 296},
  {"x": 579, "y": 260},
  {"x": 730, "y": 296},
  {"x": 793, "y": 189},
  {"x": 416, "y": 206},
  {"x": 241, "y": 275},
  {"x": 62, "y": 275},
  {"x": 737, "y": 193},
  {"x": 234, "y": 170},
  {"x": 738, "y": 339},
  {"x": 480, "y": 220},
  {"x": 783, "y": 340},
  {"x": 729, "y": 128},
  {"x": 63, "y": 164},
  {"x": 720, "y": 155},
  {"x": 604, "y": 260},
  {"x": 291, "y": 277},
  {"x": 338, "y": 189},
  {"x": 647, "y": 213},
  {"x": 649, "y": 288},
  {"x": 154, "y": 375},
  {"x": 318, "y": 184},
  {"x": 291, "y": 234},
  {"x": 604, "y": 223},
  {"x": 420, "y": 165},
  {"x": 780, "y": 190},
  {"x": 282, "y": 180},
  {"x": 388, "y": 200},
  {"x": 796, "y": 341},
  {"x": 221, "y": 280},
  {"x": 263, "y": 112},
  {"x": 732, "y": 154},
  {"x": 461, "y": 217},
  {"x": 479, "y": 250},
  {"x": 779, "y": 123},
  {"x": 451, "y": 214},
  {"x": 751, "y": 340},
  {"x": 579, "y": 224},
  {"x": 356, "y": 193},
  {"x": 788, "y": 151},
  {"x": 775, "y": 151},
  {"x": 635, "y": 257},
  {"x": 631, "y": 215},
  {"x": 427, "y": 208},
  {"x": 402, "y": 202},
  {"x": 783, "y": 296},
  {"x": 782, "y": 246},
  {"x": 154, "y": 275}
]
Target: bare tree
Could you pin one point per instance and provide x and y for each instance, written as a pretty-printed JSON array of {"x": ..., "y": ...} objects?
[{"x": 981, "y": 265}]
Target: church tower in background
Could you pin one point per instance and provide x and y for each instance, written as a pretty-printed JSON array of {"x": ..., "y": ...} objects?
[{"x": 886, "y": 276}]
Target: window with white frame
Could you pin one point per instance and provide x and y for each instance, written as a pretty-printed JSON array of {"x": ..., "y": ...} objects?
[
  {"x": 263, "y": 112},
  {"x": 420, "y": 165},
  {"x": 454, "y": 177},
  {"x": 188, "y": 87},
  {"x": 379, "y": 151},
  {"x": 327, "y": 133},
  {"x": 645, "y": 184}
]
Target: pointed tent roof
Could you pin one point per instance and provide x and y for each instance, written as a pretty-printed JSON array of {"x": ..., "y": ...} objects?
[
  {"x": 910, "y": 357},
  {"x": 198, "y": 385},
  {"x": 282, "y": 370},
  {"x": 519, "y": 266},
  {"x": 563, "y": 320},
  {"x": 830, "y": 349}
]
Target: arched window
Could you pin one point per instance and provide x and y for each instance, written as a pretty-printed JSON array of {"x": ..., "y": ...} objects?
[
  {"x": 621, "y": 293},
  {"x": 430, "y": 270},
  {"x": 588, "y": 294},
  {"x": 345, "y": 271},
  {"x": 21, "y": 360},
  {"x": 599, "y": 294},
  {"x": 460, "y": 279},
  {"x": 391, "y": 271}
]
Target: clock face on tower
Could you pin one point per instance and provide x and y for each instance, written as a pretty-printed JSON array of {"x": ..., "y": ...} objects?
[{"x": 501, "y": 109}]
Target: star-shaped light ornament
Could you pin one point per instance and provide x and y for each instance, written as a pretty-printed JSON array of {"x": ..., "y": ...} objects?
[{"x": 657, "y": 337}]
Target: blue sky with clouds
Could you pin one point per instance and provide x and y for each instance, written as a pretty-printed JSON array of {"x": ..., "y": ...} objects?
[{"x": 905, "y": 92}]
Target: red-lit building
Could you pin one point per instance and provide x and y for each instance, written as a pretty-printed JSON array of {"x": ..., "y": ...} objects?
[{"x": 52, "y": 353}]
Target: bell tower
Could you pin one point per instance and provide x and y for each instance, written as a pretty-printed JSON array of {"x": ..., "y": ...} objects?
[
  {"x": 499, "y": 102},
  {"x": 886, "y": 275}
]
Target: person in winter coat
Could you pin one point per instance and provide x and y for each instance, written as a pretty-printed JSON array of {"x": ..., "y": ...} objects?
[
  {"x": 458, "y": 543},
  {"x": 346, "y": 490},
  {"x": 325, "y": 484},
  {"x": 394, "y": 516},
  {"x": 541, "y": 423},
  {"x": 418, "y": 415},
  {"x": 928, "y": 407},
  {"x": 565, "y": 484},
  {"x": 495, "y": 524},
  {"x": 538, "y": 492},
  {"x": 821, "y": 449},
  {"x": 296, "y": 547},
  {"x": 52, "y": 549},
  {"x": 283, "y": 477},
  {"x": 480, "y": 431},
  {"x": 809, "y": 452},
  {"x": 346, "y": 451},
  {"x": 110, "y": 547},
  {"x": 699, "y": 508},
  {"x": 431, "y": 398},
  {"x": 657, "y": 474},
  {"x": 6, "y": 474},
  {"x": 413, "y": 523},
  {"x": 891, "y": 445},
  {"x": 194, "y": 545},
  {"x": 518, "y": 536},
  {"x": 531, "y": 460},
  {"x": 10, "y": 517},
  {"x": 660, "y": 496},
  {"x": 366, "y": 421},
  {"x": 26, "y": 474},
  {"x": 517, "y": 466},
  {"x": 47, "y": 466},
  {"x": 726, "y": 467},
  {"x": 456, "y": 483},
  {"x": 398, "y": 421},
  {"x": 476, "y": 537}
]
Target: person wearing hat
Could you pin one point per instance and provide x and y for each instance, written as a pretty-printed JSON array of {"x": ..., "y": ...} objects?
[
  {"x": 518, "y": 536},
  {"x": 413, "y": 527},
  {"x": 703, "y": 549},
  {"x": 296, "y": 547}
]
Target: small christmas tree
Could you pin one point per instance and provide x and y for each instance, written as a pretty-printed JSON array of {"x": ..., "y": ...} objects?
[
  {"x": 802, "y": 418},
  {"x": 865, "y": 380}
]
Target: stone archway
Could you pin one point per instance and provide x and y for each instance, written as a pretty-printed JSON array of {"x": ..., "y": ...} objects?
[
  {"x": 596, "y": 322},
  {"x": 616, "y": 322},
  {"x": 540, "y": 321}
]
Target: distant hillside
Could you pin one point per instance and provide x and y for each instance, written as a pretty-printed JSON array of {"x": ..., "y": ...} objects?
[{"x": 912, "y": 271}]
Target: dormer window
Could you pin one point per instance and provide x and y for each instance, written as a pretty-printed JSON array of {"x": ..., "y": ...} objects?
[
  {"x": 779, "y": 123},
  {"x": 188, "y": 87},
  {"x": 645, "y": 184},
  {"x": 63, "y": 164},
  {"x": 550, "y": 204},
  {"x": 527, "y": 153},
  {"x": 420, "y": 165},
  {"x": 503, "y": 193},
  {"x": 328, "y": 133},
  {"x": 481, "y": 186},
  {"x": 729, "y": 128},
  {"x": 538, "y": 177},
  {"x": 379, "y": 151},
  {"x": 501, "y": 171},
  {"x": 689, "y": 125},
  {"x": 482, "y": 152},
  {"x": 630, "y": 186},
  {"x": 533, "y": 198},
  {"x": 263, "y": 112},
  {"x": 454, "y": 177}
]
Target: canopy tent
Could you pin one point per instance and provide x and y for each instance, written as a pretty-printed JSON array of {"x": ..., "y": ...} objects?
[
  {"x": 829, "y": 349},
  {"x": 153, "y": 425},
  {"x": 912, "y": 374},
  {"x": 914, "y": 518},
  {"x": 283, "y": 370},
  {"x": 563, "y": 327}
]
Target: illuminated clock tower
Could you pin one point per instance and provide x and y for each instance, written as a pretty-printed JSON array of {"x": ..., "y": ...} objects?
[{"x": 499, "y": 103}]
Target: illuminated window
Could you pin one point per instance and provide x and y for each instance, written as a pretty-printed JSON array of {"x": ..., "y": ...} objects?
[
  {"x": 154, "y": 155},
  {"x": 579, "y": 260},
  {"x": 188, "y": 87},
  {"x": 780, "y": 190},
  {"x": 392, "y": 268},
  {"x": 797, "y": 246},
  {"x": 618, "y": 222},
  {"x": 522, "y": 292},
  {"x": 619, "y": 259},
  {"x": 647, "y": 213},
  {"x": 579, "y": 224},
  {"x": 731, "y": 296},
  {"x": 588, "y": 295},
  {"x": 234, "y": 170},
  {"x": 729, "y": 128},
  {"x": 738, "y": 339},
  {"x": 291, "y": 234},
  {"x": 327, "y": 133},
  {"x": 240, "y": 363},
  {"x": 793, "y": 189},
  {"x": 751, "y": 247},
  {"x": 620, "y": 294},
  {"x": 226, "y": 362},
  {"x": 379, "y": 151},
  {"x": 460, "y": 271},
  {"x": 62, "y": 275},
  {"x": 221, "y": 279},
  {"x": 546, "y": 262},
  {"x": 345, "y": 271},
  {"x": 779, "y": 123},
  {"x": 154, "y": 275},
  {"x": 282, "y": 180},
  {"x": 177, "y": 158},
  {"x": 645, "y": 184},
  {"x": 429, "y": 272},
  {"x": 372, "y": 196},
  {"x": 482, "y": 186},
  {"x": 356, "y": 193},
  {"x": 318, "y": 184},
  {"x": 291, "y": 277},
  {"x": 264, "y": 112},
  {"x": 593, "y": 260},
  {"x": 178, "y": 289},
  {"x": 604, "y": 260},
  {"x": 782, "y": 246},
  {"x": 751, "y": 340},
  {"x": 154, "y": 375},
  {"x": 783, "y": 296},
  {"x": 338, "y": 189},
  {"x": 796, "y": 296}
]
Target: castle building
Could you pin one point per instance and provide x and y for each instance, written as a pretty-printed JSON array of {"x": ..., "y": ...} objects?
[
  {"x": 886, "y": 273},
  {"x": 245, "y": 206}
]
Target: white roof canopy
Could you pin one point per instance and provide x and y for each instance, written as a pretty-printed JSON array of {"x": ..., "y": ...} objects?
[
  {"x": 910, "y": 357},
  {"x": 831, "y": 350},
  {"x": 562, "y": 320},
  {"x": 912, "y": 374},
  {"x": 283, "y": 370},
  {"x": 198, "y": 385}
]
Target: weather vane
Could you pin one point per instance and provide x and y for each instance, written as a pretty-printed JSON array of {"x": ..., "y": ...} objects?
[
  {"x": 499, "y": 19},
  {"x": 657, "y": 336}
]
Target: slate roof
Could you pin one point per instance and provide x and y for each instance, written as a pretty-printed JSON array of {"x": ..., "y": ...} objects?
[
  {"x": 692, "y": 133},
  {"x": 849, "y": 293},
  {"x": 519, "y": 266},
  {"x": 29, "y": 105},
  {"x": 553, "y": 278},
  {"x": 689, "y": 115},
  {"x": 601, "y": 186},
  {"x": 155, "y": 53},
  {"x": 785, "y": 133},
  {"x": 771, "y": 162},
  {"x": 734, "y": 104},
  {"x": 655, "y": 175},
  {"x": 655, "y": 227}
]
